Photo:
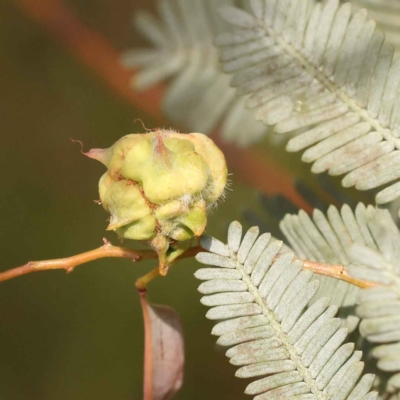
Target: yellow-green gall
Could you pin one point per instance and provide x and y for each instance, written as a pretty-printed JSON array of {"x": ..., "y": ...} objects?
[
  {"x": 142, "y": 229},
  {"x": 159, "y": 186},
  {"x": 170, "y": 172},
  {"x": 119, "y": 199}
]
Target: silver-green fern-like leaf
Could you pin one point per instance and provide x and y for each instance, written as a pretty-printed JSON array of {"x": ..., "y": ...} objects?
[
  {"x": 367, "y": 242},
  {"x": 326, "y": 76},
  {"x": 328, "y": 239},
  {"x": 386, "y": 13},
  {"x": 259, "y": 295},
  {"x": 199, "y": 97},
  {"x": 379, "y": 308}
]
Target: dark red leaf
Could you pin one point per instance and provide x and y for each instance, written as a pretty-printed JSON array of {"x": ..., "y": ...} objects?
[{"x": 164, "y": 355}]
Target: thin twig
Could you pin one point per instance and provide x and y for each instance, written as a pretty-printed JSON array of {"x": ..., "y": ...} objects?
[
  {"x": 69, "y": 263},
  {"x": 142, "y": 282},
  {"x": 336, "y": 271}
]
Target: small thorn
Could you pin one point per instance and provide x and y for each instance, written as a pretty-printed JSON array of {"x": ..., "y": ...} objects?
[{"x": 69, "y": 270}]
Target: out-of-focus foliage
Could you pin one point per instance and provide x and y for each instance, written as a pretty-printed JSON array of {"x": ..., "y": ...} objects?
[
  {"x": 386, "y": 14},
  {"x": 198, "y": 97}
]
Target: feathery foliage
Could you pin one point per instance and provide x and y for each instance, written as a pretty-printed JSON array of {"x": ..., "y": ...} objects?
[
  {"x": 328, "y": 240},
  {"x": 199, "y": 96},
  {"x": 260, "y": 292},
  {"x": 386, "y": 13},
  {"x": 367, "y": 242},
  {"x": 312, "y": 69},
  {"x": 379, "y": 308},
  {"x": 327, "y": 77}
]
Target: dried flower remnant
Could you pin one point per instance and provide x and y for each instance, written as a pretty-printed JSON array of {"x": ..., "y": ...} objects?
[{"x": 159, "y": 186}]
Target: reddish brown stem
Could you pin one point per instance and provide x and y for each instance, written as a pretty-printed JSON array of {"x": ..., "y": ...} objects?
[
  {"x": 69, "y": 263},
  {"x": 337, "y": 271}
]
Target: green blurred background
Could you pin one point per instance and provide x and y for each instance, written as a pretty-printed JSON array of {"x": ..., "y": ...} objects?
[{"x": 80, "y": 336}]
